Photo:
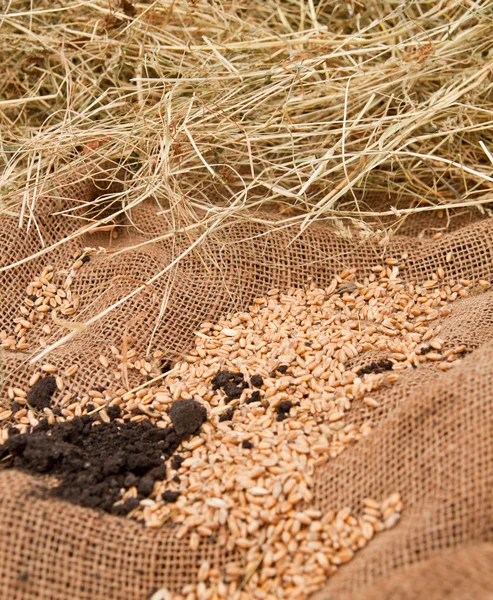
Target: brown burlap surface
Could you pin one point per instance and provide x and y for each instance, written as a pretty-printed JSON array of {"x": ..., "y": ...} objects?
[{"x": 433, "y": 435}]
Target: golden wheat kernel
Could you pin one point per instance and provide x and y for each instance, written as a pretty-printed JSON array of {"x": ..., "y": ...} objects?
[
  {"x": 34, "y": 379},
  {"x": 71, "y": 370},
  {"x": 392, "y": 520},
  {"x": 59, "y": 383},
  {"x": 5, "y": 415}
]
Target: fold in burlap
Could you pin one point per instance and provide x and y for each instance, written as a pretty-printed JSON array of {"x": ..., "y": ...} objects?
[{"x": 433, "y": 435}]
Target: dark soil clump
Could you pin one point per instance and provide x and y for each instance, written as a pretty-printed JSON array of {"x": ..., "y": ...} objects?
[
  {"x": 254, "y": 397},
  {"x": 230, "y": 382},
  {"x": 256, "y": 381},
  {"x": 114, "y": 412},
  {"x": 128, "y": 506},
  {"x": 283, "y": 409},
  {"x": 94, "y": 460},
  {"x": 145, "y": 487},
  {"x": 39, "y": 396},
  {"x": 220, "y": 379},
  {"x": 169, "y": 496},
  {"x": 187, "y": 417},
  {"x": 176, "y": 462},
  {"x": 376, "y": 367},
  {"x": 227, "y": 415},
  {"x": 232, "y": 391},
  {"x": 284, "y": 406}
]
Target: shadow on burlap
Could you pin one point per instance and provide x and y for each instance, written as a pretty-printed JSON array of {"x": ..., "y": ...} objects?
[{"x": 433, "y": 435}]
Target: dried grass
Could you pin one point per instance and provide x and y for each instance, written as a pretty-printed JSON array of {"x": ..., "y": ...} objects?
[{"x": 215, "y": 108}]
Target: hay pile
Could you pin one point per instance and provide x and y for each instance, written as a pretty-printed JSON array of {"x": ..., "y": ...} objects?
[{"x": 349, "y": 111}]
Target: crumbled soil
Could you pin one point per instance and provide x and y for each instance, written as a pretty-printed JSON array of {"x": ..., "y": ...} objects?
[
  {"x": 233, "y": 385},
  {"x": 283, "y": 409},
  {"x": 376, "y": 367},
  {"x": 94, "y": 461},
  {"x": 224, "y": 378},
  {"x": 39, "y": 396},
  {"x": 239, "y": 379},
  {"x": 254, "y": 397},
  {"x": 227, "y": 415},
  {"x": 220, "y": 379}
]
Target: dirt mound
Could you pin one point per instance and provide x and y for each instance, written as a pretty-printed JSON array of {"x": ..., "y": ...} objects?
[{"x": 94, "y": 461}]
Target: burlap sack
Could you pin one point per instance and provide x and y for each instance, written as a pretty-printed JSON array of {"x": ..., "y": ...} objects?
[{"x": 433, "y": 435}]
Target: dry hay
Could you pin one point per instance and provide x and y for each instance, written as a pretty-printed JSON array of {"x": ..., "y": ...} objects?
[{"x": 352, "y": 112}]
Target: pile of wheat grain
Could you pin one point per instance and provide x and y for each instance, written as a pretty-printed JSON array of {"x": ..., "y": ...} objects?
[{"x": 280, "y": 382}]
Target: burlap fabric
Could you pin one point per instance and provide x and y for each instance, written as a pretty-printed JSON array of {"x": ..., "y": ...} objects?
[{"x": 433, "y": 435}]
